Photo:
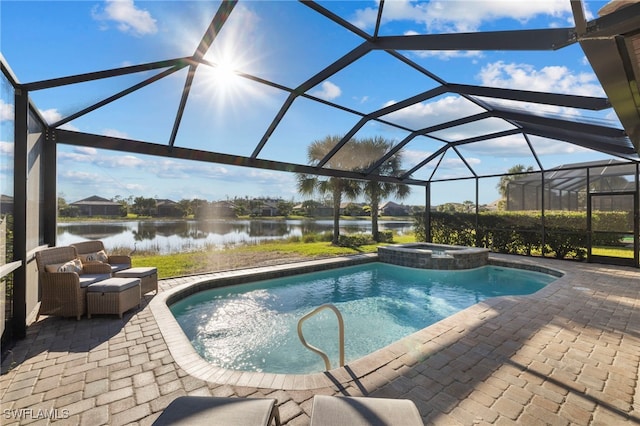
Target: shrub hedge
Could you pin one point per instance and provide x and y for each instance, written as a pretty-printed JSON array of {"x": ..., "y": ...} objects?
[
  {"x": 520, "y": 232},
  {"x": 362, "y": 239}
]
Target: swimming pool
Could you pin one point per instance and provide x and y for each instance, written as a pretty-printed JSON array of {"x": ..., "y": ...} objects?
[{"x": 252, "y": 327}]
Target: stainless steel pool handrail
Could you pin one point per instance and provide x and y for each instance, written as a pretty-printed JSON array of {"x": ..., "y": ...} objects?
[{"x": 324, "y": 356}]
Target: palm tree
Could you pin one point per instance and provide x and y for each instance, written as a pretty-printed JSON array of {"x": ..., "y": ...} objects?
[
  {"x": 336, "y": 187},
  {"x": 503, "y": 185},
  {"x": 468, "y": 206},
  {"x": 373, "y": 149}
]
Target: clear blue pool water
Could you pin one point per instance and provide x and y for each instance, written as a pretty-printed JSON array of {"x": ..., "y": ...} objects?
[{"x": 252, "y": 327}]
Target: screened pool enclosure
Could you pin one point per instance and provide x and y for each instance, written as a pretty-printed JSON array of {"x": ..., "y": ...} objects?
[{"x": 304, "y": 71}]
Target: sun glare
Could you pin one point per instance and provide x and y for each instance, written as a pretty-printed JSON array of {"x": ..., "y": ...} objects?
[
  {"x": 224, "y": 74},
  {"x": 224, "y": 84}
]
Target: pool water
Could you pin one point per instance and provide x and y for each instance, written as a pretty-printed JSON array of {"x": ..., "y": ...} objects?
[{"x": 253, "y": 327}]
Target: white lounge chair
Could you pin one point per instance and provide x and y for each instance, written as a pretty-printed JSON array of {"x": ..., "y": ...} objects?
[
  {"x": 217, "y": 411},
  {"x": 363, "y": 411}
]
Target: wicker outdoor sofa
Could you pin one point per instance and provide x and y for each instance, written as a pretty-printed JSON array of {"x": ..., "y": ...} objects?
[
  {"x": 89, "y": 251},
  {"x": 75, "y": 284},
  {"x": 64, "y": 293},
  {"x": 94, "y": 251}
]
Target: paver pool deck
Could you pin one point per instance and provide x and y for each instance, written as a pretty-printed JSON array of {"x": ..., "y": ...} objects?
[{"x": 567, "y": 355}]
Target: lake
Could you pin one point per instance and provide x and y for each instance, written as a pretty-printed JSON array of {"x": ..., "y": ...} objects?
[{"x": 172, "y": 236}]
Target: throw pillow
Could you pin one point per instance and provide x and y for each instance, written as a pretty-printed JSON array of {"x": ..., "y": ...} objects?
[
  {"x": 99, "y": 256},
  {"x": 71, "y": 266},
  {"x": 53, "y": 267}
]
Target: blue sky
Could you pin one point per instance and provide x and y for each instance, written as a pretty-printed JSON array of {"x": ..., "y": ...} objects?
[{"x": 284, "y": 42}]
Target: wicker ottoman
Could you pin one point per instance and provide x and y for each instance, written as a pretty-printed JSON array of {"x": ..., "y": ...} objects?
[
  {"x": 148, "y": 277},
  {"x": 113, "y": 296}
]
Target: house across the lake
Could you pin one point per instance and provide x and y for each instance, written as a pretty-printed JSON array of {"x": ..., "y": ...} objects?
[
  {"x": 313, "y": 209},
  {"x": 393, "y": 209},
  {"x": 97, "y": 206},
  {"x": 352, "y": 209},
  {"x": 216, "y": 210},
  {"x": 168, "y": 208},
  {"x": 6, "y": 204}
]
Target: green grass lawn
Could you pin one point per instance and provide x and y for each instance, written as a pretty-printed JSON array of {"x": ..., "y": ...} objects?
[
  {"x": 180, "y": 264},
  {"x": 173, "y": 265},
  {"x": 321, "y": 248},
  {"x": 626, "y": 252}
]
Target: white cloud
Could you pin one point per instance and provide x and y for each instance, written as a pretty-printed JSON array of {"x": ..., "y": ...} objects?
[
  {"x": 6, "y": 148},
  {"x": 95, "y": 183},
  {"x": 263, "y": 176},
  {"x": 425, "y": 114},
  {"x": 85, "y": 150},
  {"x": 515, "y": 146},
  {"x": 7, "y": 112},
  {"x": 73, "y": 157},
  {"x": 450, "y": 167},
  {"x": 544, "y": 146},
  {"x": 170, "y": 169},
  {"x": 131, "y": 187},
  {"x": 53, "y": 116},
  {"x": 444, "y": 55},
  {"x": 412, "y": 157},
  {"x": 554, "y": 79},
  {"x": 115, "y": 133},
  {"x": 507, "y": 146},
  {"x": 101, "y": 158},
  {"x": 6, "y": 167},
  {"x": 124, "y": 161},
  {"x": 166, "y": 168},
  {"x": 365, "y": 18},
  {"x": 452, "y": 163},
  {"x": 327, "y": 91},
  {"x": 128, "y": 17},
  {"x": 164, "y": 177},
  {"x": 461, "y": 16},
  {"x": 82, "y": 178},
  {"x": 550, "y": 79},
  {"x": 207, "y": 172}
]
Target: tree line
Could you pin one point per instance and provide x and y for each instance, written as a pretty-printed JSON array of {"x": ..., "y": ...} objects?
[
  {"x": 145, "y": 206},
  {"x": 355, "y": 155}
]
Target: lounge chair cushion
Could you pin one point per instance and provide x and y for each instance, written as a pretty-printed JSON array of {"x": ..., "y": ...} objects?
[
  {"x": 113, "y": 285},
  {"x": 86, "y": 279},
  {"x": 115, "y": 267},
  {"x": 363, "y": 411},
  {"x": 214, "y": 411},
  {"x": 139, "y": 272}
]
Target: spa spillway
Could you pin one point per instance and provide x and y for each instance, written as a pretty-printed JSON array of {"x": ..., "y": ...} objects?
[{"x": 434, "y": 256}]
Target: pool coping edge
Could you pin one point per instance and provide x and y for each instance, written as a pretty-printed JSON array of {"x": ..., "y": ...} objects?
[{"x": 408, "y": 350}]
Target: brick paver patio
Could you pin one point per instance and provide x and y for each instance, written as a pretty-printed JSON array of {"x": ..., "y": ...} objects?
[{"x": 567, "y": 355}]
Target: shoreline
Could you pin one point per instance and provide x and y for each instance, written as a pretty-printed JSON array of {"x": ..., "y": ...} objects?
[{"x": 226, "y": 219}]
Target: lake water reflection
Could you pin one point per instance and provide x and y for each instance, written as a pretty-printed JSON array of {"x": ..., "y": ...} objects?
[{"x": 184, "y": 235}]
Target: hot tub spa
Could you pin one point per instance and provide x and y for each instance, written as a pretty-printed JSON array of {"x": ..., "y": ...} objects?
[{"x": 434, "y": 256}]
